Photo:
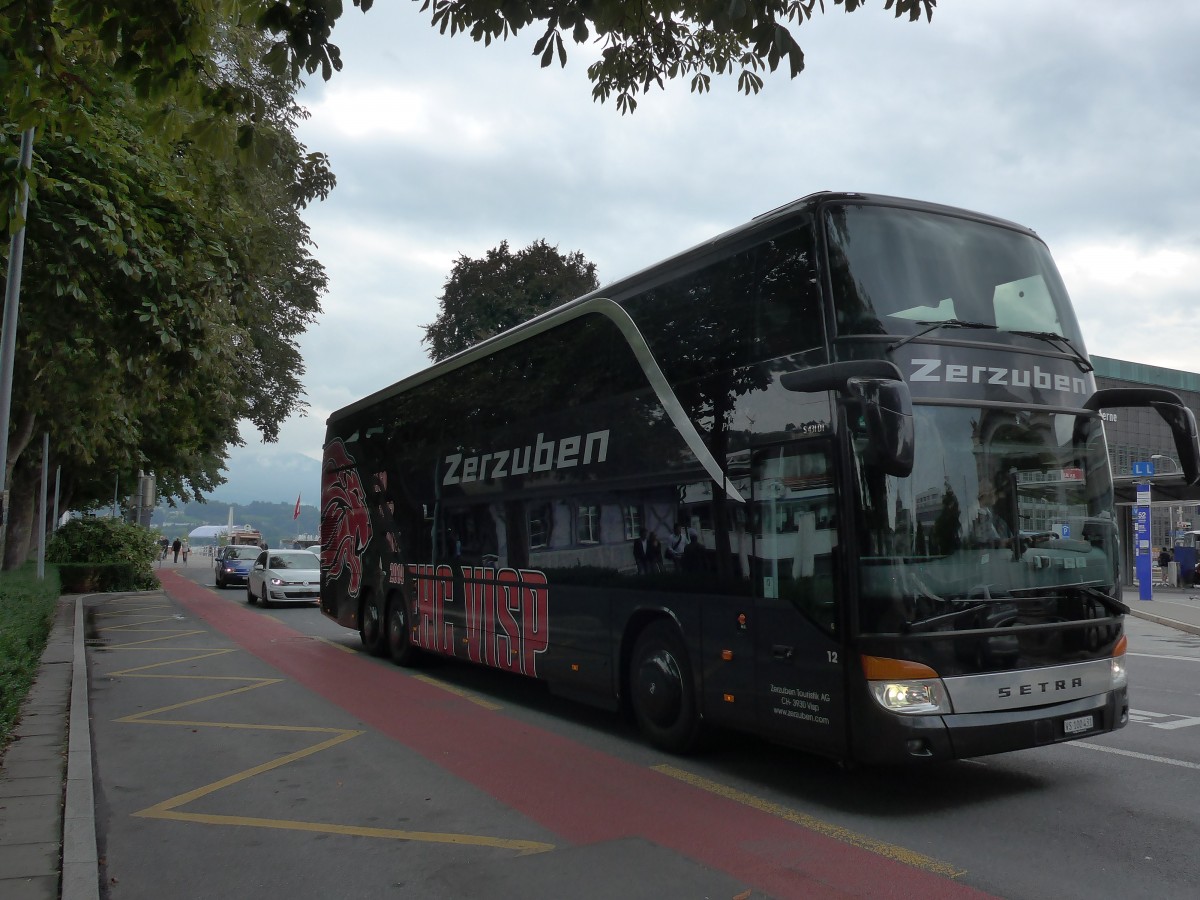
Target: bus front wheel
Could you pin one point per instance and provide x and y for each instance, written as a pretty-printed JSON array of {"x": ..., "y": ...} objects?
[
  {"x": 399, "y": 645},
  {"x": 662, "y": 693},
  {"x": 370, "y": 626}
]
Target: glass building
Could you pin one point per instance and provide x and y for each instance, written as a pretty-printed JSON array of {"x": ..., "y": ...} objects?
[{"x": 1140, "y": 435}]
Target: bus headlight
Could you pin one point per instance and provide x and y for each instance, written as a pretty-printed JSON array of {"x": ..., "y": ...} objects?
[
  {"x": 904, "y": 686},
  {"x": 1117, "y": 665},
  {"x": 924, "y": 697},
  {"x": 1119, "y": 678}
]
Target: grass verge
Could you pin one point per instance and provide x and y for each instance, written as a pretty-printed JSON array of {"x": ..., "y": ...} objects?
[{"x": 26, "y": 614}]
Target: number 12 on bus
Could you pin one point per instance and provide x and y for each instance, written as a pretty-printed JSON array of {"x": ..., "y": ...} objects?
[{"x": 837, "y": 477}]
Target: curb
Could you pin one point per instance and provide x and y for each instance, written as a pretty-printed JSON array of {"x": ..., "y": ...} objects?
[
  {"x": 1163, "y": 620},
  {"x": 48, "y": 846},
  {"x": 80, "y": 860}
]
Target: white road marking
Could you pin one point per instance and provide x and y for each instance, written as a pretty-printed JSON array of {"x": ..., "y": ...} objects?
[{"x": 1183, "y": 764}]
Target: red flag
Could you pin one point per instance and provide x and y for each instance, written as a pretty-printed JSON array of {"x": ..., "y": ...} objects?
[{"x": 296, "y": 513}]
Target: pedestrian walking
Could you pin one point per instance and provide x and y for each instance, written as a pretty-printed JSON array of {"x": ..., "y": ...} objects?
[
  {"x": 177, "y": 546},
  {"x": 186, "y": 550}
]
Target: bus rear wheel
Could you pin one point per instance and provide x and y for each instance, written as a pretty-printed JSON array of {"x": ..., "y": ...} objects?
[
  {"x": 399, "y": 644},
  {"x": 661, "y": 691},
  {"x": 370, "y": 626}
]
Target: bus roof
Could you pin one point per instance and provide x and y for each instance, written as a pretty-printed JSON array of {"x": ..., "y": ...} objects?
[{"x": 763, "y": 223}]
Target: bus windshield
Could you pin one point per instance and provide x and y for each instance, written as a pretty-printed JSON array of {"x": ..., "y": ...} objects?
[
  {"x": 1002, "y": 506},
  {"x": 897, "y": 271}
]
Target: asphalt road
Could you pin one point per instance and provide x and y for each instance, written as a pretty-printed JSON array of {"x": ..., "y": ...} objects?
[{"x": 247, "y": 752}]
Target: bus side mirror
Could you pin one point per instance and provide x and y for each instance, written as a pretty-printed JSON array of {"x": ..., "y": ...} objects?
[
  {"x": 887, "y": 410},
  {"x": 1182, "y": 422},
  {"x": 1178, "y": 417},
  {"x": 882, "y": 395}
]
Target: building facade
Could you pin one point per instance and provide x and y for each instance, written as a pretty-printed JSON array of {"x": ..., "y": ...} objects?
[{"x": 1140, "y": 435}]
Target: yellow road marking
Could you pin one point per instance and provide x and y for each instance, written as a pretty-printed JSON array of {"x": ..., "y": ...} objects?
[
  {"x": 523, "y": 848},
  {"x": 126, "y": 613},
  {"x": 341, "y": 647},
  {"x": 828, "y": 829},
  {"x": 460, "y": 692},
  {"x": 143, "y": 716},
  {"x": 200, "y": 654},
  {"x": 166, "y": 637},
  {"x": 170, "y": 809},
  {"x": 340, "y": 737}
]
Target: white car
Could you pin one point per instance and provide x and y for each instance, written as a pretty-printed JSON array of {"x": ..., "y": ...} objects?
[{"x": 284, "y": 576}]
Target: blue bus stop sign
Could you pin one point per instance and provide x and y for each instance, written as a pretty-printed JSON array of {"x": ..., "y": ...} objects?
[{"x": 1143, "y": 562}]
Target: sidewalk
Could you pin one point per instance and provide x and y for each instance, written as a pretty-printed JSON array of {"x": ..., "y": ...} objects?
[
  {"x": 1177, "y": 608},
  {"x": 46, "y": 797},
  {"x": 47, "y": 804}
]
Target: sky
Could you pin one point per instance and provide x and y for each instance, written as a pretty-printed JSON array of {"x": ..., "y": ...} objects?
[{"x": 1077, "y": 118}]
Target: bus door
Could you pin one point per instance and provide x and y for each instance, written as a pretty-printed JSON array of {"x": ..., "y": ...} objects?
[{"x": 800, "y": 696}]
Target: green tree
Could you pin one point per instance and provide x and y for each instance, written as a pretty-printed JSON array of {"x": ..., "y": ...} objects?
[
  {"x": 166, "y": 283},
  {"x": 647, "y": 43},
  {"x": 483, "y": 297},
  {"x": 160, "y": 46}
]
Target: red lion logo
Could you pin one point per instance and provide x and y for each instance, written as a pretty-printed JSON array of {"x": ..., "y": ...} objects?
[{"x": 345, "y": 522}]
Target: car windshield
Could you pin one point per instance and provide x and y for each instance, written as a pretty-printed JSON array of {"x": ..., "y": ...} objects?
[
  {"x": 294, "y": 561},
  {"x": 241, "y": 552}
]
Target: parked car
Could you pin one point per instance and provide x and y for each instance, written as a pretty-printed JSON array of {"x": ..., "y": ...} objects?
[
  {"x": 284, "y": 576},
  {"x": 234, "y": 564}
]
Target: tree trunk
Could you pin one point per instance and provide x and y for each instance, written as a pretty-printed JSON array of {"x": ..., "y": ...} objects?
[
  {"x": 22, "y": 513},
  {"x": 16, "y": 537}
]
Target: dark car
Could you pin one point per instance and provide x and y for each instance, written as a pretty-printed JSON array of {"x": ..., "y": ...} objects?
[{"x": 233, "y": 567}]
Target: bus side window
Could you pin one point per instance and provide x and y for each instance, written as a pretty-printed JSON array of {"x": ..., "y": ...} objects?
[{"x": 794, "y": 529}]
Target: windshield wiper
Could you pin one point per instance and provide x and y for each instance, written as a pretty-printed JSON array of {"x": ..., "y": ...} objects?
[
  {"x": 1051, "y": 337},
  {"x": 931, "y": 623},
  {"x": 934, "y": 326}
]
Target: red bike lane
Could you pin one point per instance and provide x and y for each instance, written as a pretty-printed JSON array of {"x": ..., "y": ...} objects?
[{"x": 583, "y": 795}]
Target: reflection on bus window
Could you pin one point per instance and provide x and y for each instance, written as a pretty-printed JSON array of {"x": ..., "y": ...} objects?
[
  {"x": 1029, "y": 517},
  {"x": 795, "y": 529}
]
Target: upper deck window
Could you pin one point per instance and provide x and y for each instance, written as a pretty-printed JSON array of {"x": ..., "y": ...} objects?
[{"x": 898, "y": 271}]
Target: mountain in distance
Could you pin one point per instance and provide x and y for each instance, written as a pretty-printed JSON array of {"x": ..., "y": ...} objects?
[{"x": 271, "y": 475}]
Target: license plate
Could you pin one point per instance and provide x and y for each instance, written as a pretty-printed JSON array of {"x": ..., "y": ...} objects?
[{"x": 1078, "y": 725}]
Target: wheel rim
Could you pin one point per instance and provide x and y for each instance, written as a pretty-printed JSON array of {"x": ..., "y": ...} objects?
[
  {"x": 660, "y": 688},
  {"x": 370, "y": 624},
  {"x": 397, "y": 634}
]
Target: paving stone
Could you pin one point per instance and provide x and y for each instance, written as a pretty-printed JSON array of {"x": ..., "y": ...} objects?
[
  {"x": 39, "y": 766},
  {"x": 47, "y": 743},
  {"x": 29, "y": 860},
  {"x": 31, "y": 787},
  {"x": 46, "y": 722},
  {"x": 20, "y": 751},
  {"x": 43, "y": 887},
  {"x": 30, "y": 820}
]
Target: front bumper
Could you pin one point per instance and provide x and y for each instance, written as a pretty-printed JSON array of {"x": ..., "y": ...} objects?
[
  {"x": 294, "y": 593},
  {"x": 882, "y": 738}
]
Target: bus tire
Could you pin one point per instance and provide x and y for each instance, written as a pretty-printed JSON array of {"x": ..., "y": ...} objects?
[
  {"x": 662, "y": 693},
  {"x": 370, "y": 625},
  {"x": 399, "y": 643}
]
